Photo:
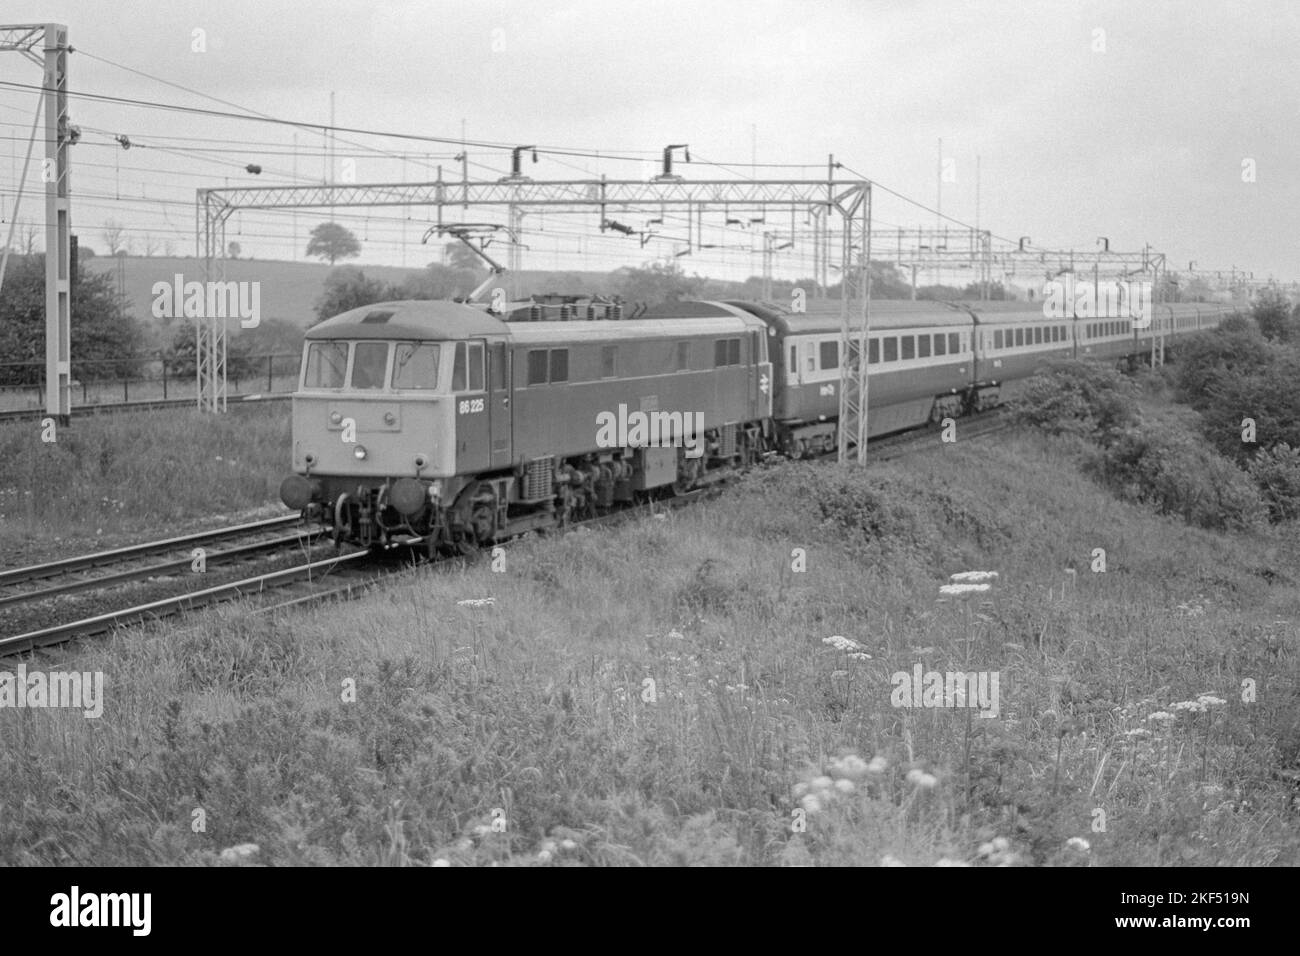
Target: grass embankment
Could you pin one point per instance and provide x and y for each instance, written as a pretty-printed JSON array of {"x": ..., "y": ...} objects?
[
  {"x": 110, "y": 479},
  {"x": 664, "y": 693}
]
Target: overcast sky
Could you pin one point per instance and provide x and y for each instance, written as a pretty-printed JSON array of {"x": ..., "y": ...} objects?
[{"x": 1129, "y": 120}]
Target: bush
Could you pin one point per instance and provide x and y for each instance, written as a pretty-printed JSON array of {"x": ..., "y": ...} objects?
[
  {"x": 1168, "y": 467},
  {"x": 1083, "y": 398},
  {"x": 1276, "y": 472},
  {"x": 1274, "y": 317},
  {"x": 1208, "y": 361}
]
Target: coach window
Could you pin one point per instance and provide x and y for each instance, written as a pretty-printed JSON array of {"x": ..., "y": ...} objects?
[
  {"x": 997, "y": 339},
  {"x": 683, "y": 356},
  {"x": 467, "y": 373},
  {"x": 476, "y": 366},
  {"x": 537, "y": 367},
  {"x": 733, "y": 351},
  {"x": 608, "y": 361},
  {"x": 559, "y": 365},
  {"x": 369, "y": 363},
  {"x": 923, "y": 346},
  {"x": 939, "y": 343},
  {"x": 794, "y": 361},
  {"x": 719, "y": 353},
  {"x": 891, "y": 349},
  {"x": 830, "y": 354},
  {"x": 873, "y": 352},
  {"x": 497, "y": 365},
  {"x": 415, "y": 365},
  {"x": 954, "y": 343},
  {"x": 327, "y": 362},
  {"x": 909, "y": 347}
]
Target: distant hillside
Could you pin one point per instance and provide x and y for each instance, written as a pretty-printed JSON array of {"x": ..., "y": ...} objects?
[{"x": 290, "y": 290}]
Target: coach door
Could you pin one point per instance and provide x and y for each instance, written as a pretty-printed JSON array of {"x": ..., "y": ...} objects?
[
  {"x": 499, "y": 418},
  {"x": 760, "y": 378},
  {"x": 469, "y": 387}
]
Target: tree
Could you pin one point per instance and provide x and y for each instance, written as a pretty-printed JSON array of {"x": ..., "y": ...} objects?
[
  {"x": 115, "y": 237},
  {"x": 1272, "y": 314},
  {"x": 438, "y": 282},
  {"x": 332, "y": 242},
  {"x": 106, "y": 341},
  {"x": 180, "y": 356},
  {"x": 461, "y": 256},
  {"x": 655, "y": 282},
  {"x": 348, "y": 288}
]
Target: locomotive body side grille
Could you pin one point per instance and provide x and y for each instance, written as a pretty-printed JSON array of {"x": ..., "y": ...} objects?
[{"x": 539, "y": 480}]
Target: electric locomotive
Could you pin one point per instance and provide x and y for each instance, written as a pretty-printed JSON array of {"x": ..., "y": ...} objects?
[{"x": 441, "y": 424}]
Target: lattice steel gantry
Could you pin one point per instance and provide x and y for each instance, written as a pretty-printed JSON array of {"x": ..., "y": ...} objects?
[{"x": 850, "y": 199}]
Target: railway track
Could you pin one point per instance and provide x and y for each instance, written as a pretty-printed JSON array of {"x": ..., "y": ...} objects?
[
  {"x": 314, "y": 580},
  {"x": 31, "y": 414},
  {"x": 55, "y": 590}
]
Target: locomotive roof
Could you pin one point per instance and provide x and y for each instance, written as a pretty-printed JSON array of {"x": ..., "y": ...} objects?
[
  {"x": 537, "y": 333},
  {"x": 823, "y": 315},
  {"x": 447, "y": 321},
  {"x": 410, "y": 319}
]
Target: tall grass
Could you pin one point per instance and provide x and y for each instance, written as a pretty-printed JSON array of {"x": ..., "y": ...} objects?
[
  {"x": 663, "y": 693},
  {"x": 138, "y": 473}
]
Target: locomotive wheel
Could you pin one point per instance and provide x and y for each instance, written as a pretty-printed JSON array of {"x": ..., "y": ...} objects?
[{"x": 479, "y": 531}]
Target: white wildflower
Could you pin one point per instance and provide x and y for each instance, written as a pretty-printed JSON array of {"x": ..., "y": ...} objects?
[
  {"x": 544, "y": 856},
  {"x": 944, "y": 861},
  {"x": 811, "y": 802},
  {"x": 844, "y": 786},
  {"x": 441, "y": 861},
  {"x": 890, "y": 860},
  {"x": 972, "y": 577},
  {"x": 919, "y": 778},
  {"x": 841, "y": 643},
  {"x": 877, "y": 765},
  {"x": 850, "y": 767},
  {"x": 240, "y": 852},
  {"x": 1078, "y": 843},
  {"x": 568, "y": 845},
  {"x": 860, "y": 657},
  {"x": 477, "y": 602},
  {"x": 1160, "y": 715},
  {"x": 1209, "y": 700},
  {"x": 957, "y": 590}
]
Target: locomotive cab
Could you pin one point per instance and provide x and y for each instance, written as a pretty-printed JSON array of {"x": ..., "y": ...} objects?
[{"x": 392, "y": 404}]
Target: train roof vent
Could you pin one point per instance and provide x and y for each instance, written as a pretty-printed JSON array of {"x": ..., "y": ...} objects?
[{"x": 378, "y": 317}]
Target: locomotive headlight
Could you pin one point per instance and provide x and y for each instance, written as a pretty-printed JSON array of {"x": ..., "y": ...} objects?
[
  {"x": 359, "y": 452},
  {"x": 390, "y": 418},
  {"x": 309, "y": 458},
  {"x": 421, "y": 462},
  {"x": 335, "y": 418},
  {"x": 435, "y": 490}
]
